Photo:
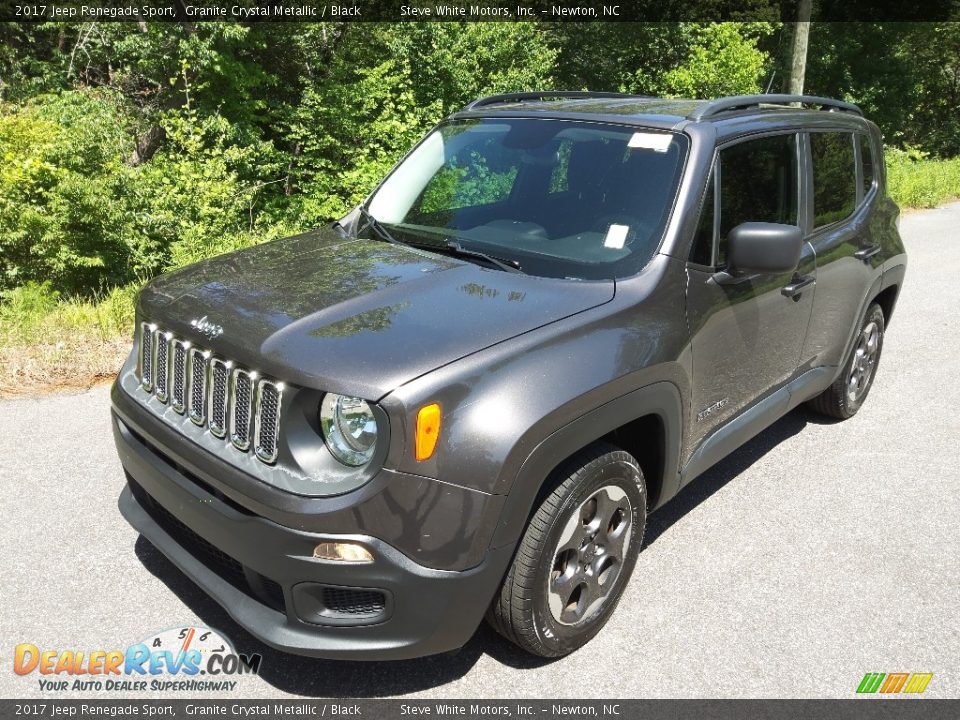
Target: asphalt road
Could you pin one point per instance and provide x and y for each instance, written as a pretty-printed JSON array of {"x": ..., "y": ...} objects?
[{"x": 815, "y": 554}]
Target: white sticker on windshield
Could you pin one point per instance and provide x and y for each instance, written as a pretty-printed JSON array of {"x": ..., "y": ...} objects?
[
  {"x": 616, "y": 236},
  {"x": 659, "y": 142}
]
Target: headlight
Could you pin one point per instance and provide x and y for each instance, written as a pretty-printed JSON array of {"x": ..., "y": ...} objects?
[{"x": 349, "y": 428}]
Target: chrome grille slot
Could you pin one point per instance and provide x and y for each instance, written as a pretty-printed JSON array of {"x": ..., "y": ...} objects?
[
  {"x": 198, "y": 385},
  {"x": 178, "y": 375},
  {"x": 217, "y": 412},
  {"x": 241, "y": 406},
  {"x": 146, "y": 356},
  {"x": 161, "y": 364},
  {"x": 233, "y": 403},
  {"x": 267, "y": 423}
]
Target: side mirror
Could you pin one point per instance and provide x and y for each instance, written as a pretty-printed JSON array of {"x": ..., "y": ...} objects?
[{"x": 764, "y": 248}]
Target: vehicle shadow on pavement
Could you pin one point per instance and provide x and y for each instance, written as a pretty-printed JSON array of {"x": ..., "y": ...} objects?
[
  {"x": 703, "y": 486},
  {"x": 325, "y": 678}
]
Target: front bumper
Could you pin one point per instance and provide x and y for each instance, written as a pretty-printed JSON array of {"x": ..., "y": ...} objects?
[{"x": 266, "y": 578}]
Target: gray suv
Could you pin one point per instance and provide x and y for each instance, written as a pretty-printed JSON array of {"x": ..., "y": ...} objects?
[{"x": 464, "y": 398}]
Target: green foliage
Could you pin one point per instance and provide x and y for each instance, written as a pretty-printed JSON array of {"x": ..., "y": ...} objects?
[
  {"x": 916, "y": 181},
  {"x": 683, "y": 59},
  {"x": 906, "y": 77},
  {"x": 36, "y": 313},
  {"x": 130, "y": 149},
  {"x": 61, "y": 167},
  {"x": 722, "y": 59}
]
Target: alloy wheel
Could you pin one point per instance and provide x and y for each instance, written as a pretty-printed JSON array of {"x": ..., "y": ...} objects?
[
  {"x": 589, "y": 555},
  {"x": 864, "y": 362}
]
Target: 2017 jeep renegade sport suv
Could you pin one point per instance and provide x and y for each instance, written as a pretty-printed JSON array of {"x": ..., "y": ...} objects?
[{"x": 465, "y": 397}]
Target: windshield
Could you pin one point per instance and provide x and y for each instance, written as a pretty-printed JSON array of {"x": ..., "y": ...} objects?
[{"x": 553, "y": 197}]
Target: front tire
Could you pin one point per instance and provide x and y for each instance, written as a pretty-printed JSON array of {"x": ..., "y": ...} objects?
[
  {"x": 576, "y": 555},
  {"x": 845, "y": 397}
]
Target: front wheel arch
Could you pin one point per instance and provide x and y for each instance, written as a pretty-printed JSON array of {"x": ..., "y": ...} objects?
[{"x": 660, "y": 400}]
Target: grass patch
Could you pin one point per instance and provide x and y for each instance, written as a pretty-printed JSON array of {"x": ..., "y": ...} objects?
[
  {"x": 48, "y": 342},
  {"x": 915, "y": 181}
]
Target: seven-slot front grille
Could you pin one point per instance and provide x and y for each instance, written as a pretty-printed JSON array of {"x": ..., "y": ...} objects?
[{"x": 231, "y": 402}]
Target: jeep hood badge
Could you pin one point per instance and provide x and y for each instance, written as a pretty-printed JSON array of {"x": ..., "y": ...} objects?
[{"x": 206, "y": 328}]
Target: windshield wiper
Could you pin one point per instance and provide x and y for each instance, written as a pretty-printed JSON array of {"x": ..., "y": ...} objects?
[
  {"x": 378, "y": 227},
  {"x": 511, "y": 266},
  {"x": 453, "y": 247}
]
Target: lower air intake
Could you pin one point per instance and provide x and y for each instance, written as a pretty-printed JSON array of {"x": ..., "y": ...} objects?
[{"x": 345, "y": 602}]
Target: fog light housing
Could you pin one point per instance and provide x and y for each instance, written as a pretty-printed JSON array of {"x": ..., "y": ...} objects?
[{"x": 345, "y": 552}]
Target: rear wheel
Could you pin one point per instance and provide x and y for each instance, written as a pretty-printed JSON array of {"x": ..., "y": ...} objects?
[
  {"x": 576, "y": 555},
  {"x": 845, "y": 397}
]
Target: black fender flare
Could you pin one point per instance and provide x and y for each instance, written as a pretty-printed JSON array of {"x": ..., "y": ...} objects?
[
  {"x": 661, "y": 399},
  {"x": 875, "y": 288}
]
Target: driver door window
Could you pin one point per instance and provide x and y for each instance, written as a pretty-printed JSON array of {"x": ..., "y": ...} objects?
[{"x": 758, "y": 183}]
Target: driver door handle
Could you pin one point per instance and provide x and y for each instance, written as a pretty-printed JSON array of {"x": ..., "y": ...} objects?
[{"x": 798, "y": 286}]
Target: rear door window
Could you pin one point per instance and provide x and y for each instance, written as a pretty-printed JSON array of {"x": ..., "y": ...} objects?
[{"x": 834, "y": 177}]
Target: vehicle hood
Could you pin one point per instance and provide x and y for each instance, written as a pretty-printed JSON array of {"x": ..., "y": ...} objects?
[{"x": 355, "y": 316}]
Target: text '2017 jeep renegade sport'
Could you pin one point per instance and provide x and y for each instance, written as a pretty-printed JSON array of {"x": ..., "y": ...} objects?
[{"x": 465, "y": 397}]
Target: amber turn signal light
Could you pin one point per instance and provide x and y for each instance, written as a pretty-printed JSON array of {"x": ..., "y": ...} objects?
[{"x": 428, "y": 430}]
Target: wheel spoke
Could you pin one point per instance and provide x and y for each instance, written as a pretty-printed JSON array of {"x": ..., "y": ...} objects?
[
  {"x": 605, "y": 509},
  {"x": 593, "y": 596},
  {"x": 573, "y": 604},
  {"x": 605, "y": 569},
  {"x": 615, "y": 539},
  {"x": 564, "y": 584},
  {"x": 573, "y": 534}
]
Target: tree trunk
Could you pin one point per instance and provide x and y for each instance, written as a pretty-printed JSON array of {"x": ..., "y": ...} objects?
[
  {"x": 798, "y": 48},
  {"x": 147, "y": 144}
]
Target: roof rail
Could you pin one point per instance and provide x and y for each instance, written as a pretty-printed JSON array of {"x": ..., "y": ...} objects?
[
  {"x": 542, "y": 95},
  {"x": 740, "y": 102}
]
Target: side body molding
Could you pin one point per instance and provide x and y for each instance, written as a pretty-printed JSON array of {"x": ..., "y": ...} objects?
[{"x": 661, "y": 399}]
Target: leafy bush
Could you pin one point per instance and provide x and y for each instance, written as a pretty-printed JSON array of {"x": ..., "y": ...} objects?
[
  {"x": 722, "y": 59},
  {"x": 61, "y": 167},
  {"x": 916, "y": 181}
]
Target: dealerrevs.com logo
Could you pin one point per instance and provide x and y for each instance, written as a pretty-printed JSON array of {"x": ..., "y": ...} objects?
[{"x": 180, "y": 659}]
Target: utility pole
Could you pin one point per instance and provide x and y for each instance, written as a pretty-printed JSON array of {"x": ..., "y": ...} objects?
[{"x": 798, "y": 48}]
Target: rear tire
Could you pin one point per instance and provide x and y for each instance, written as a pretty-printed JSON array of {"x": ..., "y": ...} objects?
[
  {"x": 845, "y": 397},
  {"x": 576, "y": 555}
]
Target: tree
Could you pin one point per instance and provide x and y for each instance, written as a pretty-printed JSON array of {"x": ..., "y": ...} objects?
[{"x": 798, "y": 48}]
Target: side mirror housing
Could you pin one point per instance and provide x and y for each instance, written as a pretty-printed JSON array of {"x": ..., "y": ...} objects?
[{"x": 763, "y": 248}]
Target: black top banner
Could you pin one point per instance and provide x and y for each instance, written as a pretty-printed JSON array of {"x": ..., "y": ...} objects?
[{"x": 250, "y": 11}]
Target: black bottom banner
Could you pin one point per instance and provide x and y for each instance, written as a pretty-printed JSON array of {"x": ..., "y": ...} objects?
[{"x": 878, "y": 708}]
